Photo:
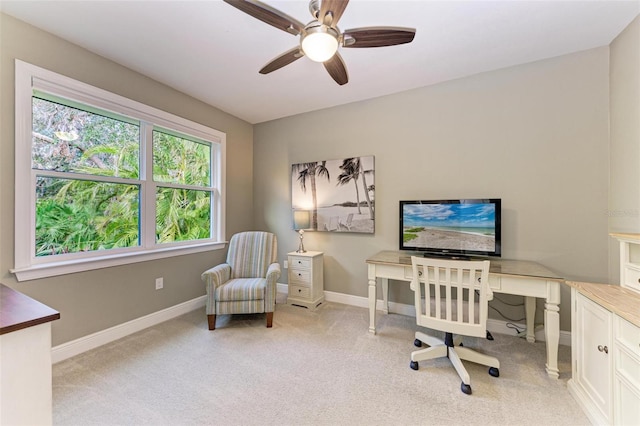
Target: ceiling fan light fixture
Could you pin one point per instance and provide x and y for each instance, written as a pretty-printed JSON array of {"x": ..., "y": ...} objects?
[{"x": 319, "y": 43}]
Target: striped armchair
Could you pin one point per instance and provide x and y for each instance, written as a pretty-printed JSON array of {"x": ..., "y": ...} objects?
[{"x": 246, "y": 283}]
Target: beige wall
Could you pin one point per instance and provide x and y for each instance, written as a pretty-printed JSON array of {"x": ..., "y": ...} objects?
[
  {"x": 534, "y": 135},
  {"x": 96, "y": 300},
  {"x": 624, "y": 194}
]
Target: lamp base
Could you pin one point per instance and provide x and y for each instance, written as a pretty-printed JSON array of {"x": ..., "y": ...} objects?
[{"x": 301, "y": 246}]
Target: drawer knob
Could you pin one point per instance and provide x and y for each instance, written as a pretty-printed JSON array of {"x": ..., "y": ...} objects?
[
  {"x": 299, "y": 274},
  {"x": 603, "y": 349},
  {"x": 299, "y": 290}
]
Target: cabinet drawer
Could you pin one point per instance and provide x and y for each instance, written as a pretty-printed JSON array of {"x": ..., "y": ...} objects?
[
  {"x": 299, "y": 276},
  {"x": 298, "y": 291},
  {"x": 299, "y": 262},
  {"x": 632, "y": 278},
  {"x": 628, "y": 335},
  {"x": 628, "y": 367}
]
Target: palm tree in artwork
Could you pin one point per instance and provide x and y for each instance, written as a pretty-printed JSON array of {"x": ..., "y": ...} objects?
[
  {"x": 352, "y": 169},
  {"x": 310, "y": 171}
]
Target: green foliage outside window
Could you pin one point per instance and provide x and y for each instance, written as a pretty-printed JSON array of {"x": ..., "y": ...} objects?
[{"x": 75, "y": 212}]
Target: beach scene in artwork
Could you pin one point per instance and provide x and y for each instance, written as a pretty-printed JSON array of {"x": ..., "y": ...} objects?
[
  {"x": 450, "y": 226},
  {"x": 344, "y": 196}
]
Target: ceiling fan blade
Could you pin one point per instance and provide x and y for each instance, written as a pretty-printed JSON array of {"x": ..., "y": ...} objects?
[
  {"x": 336, "y": 69},
  {"x": 285, "y": 59},
  {"x": 378, "y": 36},
  {"x": 336, "y": 7},
  {"x": 268, "y": 14}
]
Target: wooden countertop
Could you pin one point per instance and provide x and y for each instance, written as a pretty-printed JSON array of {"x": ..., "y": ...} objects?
[
  {"x": 619, "y": 300},
  {"x": 18, "y": 311}
]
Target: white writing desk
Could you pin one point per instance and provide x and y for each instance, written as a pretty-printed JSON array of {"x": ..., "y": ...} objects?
[{"x": 517, "y": 277}]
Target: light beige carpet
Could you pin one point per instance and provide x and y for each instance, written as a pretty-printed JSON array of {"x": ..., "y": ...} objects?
[{"x": 312, "y": 368}]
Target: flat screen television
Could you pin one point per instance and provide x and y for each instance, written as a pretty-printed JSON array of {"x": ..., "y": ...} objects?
[{"x": 451, "y": 228}]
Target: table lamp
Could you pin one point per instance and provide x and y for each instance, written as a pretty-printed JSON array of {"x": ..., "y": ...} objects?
[{"x": 301, "y": 221}]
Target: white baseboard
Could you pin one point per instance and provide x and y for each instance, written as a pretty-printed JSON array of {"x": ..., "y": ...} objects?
[{"x": 92, "y": 341}]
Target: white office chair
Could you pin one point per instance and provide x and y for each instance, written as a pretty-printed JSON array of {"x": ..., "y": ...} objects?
[{"x": 457, "y": 298}]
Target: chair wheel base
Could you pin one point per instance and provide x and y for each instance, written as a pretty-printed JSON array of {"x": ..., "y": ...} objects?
[
  {"x": 414, "y": 365},
  {"x": 417, "y": 343},
  {"x": 494, "y": 372},
  {"x": 465, "y": 389}
]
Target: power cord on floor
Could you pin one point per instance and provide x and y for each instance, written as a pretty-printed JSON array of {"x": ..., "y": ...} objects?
[
  {"x": 520, "y": 331},
  {"x": 506, "y": 317}
]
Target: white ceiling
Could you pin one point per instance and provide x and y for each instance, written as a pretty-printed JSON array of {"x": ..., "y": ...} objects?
[{"x": 213, "y": 52}]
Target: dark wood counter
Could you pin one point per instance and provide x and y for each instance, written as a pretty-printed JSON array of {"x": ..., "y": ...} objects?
[{"x": 18, "y": 311}]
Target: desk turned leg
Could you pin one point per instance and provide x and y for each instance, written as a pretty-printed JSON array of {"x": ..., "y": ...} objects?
[
  {"x": 530, "y": 314},
  {"x": 372, "y": 306},
  {"x": 552, "y": 328},
  {"x": 385, "y": 295}
]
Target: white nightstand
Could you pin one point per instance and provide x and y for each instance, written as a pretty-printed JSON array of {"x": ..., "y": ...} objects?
[{"x": 306, "y": 281}]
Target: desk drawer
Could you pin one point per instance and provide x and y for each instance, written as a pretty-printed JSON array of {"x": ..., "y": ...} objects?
[{"x": 494, "y": 281}]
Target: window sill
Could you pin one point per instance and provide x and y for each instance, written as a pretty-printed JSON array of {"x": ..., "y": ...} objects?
[{"x": 68, "y": 267}]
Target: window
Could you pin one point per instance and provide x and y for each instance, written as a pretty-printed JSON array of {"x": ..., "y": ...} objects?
[{"x": 102, "y": 180}]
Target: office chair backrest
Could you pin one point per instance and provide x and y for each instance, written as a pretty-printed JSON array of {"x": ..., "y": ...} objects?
[{"x": 452, "y": 295}]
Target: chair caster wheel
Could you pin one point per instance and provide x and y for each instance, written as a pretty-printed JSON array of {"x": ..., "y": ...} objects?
[
  {"x": 465, "y": 389},
  {"x": 417, "y": 343},
  {"x": 494, "y": 372},
  {"x": 414, "y": 365}
]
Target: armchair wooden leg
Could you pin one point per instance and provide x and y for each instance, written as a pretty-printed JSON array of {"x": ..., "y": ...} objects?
[
  {"x": 212, "y": 322},
  {"x": 269, "y": 319}
]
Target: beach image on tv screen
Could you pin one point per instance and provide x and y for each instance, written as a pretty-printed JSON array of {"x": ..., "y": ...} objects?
[{"x": 469, "y": 227}]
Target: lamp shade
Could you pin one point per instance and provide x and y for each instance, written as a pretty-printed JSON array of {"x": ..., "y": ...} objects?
[{"x": 301, "y": 219}]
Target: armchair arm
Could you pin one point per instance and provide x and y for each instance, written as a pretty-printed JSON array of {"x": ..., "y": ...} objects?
[
  {"x": 273, "y": 273},
  {"x": 217, "y": 275},
  {"x": 214, "y": 278}
]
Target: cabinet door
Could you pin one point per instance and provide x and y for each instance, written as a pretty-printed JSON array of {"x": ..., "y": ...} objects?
[{"x": 594, "y": 362}]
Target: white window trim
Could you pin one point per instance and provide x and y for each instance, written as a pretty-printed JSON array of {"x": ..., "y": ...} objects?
[{"x": 27, "y": 267}]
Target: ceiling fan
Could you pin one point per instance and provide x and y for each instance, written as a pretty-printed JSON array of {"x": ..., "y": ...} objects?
[{"x": 320, "y": 38}]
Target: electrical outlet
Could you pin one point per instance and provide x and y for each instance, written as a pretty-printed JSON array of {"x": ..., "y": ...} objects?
[
  {"x": 286, "y": 264},
  {"x": 159, "y": 283}
]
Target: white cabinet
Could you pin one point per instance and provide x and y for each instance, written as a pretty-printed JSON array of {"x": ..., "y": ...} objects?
[
  {"x": 605, "y": 340},
  {"x": 629, "y": 260},
  {"x": 626, "y": 391},
  {"x": 592, "y": 358},
  {"x": 306, "y": 280}
]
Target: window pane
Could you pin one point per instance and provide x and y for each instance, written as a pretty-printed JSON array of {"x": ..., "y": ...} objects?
[
  {"x": 181, "y": 161},
  {"x": 78, "y": 215},
  {"x": 68, "y": 139},
  {"x": 182, "y": 214}
]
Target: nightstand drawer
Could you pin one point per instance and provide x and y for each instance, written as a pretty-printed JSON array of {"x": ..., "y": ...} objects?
[
  {"x": 298, "y": 276},
  {"x": 298, "y": 291},
  {"x": 299, "y": 263}
]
